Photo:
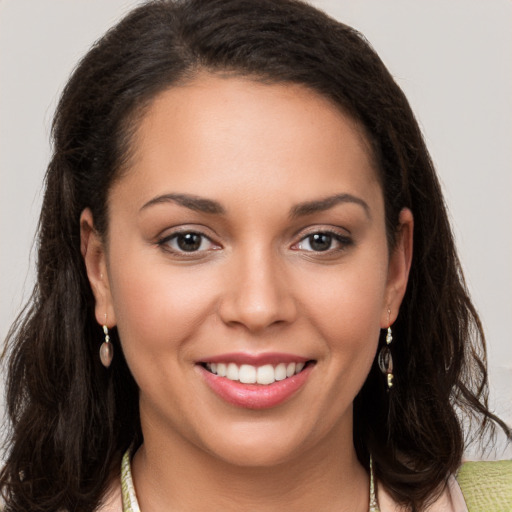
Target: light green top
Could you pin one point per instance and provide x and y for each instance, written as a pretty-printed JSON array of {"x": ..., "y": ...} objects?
[{"x": 487, "y": 486}]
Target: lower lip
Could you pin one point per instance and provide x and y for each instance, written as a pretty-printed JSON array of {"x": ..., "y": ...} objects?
[{"x": 256, "y": 396}]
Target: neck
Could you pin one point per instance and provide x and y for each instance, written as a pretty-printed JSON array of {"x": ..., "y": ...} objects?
[{"x": 171, "y": 474}]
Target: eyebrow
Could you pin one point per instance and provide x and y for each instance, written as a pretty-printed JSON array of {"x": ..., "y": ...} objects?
[
  {"x": 321, "y": 205},
  {"x": 195, "y": 203},
  {"x": 200, "y": 204}
]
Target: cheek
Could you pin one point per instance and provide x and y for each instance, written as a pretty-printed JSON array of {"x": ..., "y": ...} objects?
[
  {"x": 158, "y": 306},
  {"x": 345, "y": 307}
]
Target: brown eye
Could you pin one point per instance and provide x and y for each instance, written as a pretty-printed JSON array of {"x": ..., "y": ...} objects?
[
  {"x": 189, "y": 241},
  {"x": 323, "y": 241},
  {"x": 320, "y": 241}
]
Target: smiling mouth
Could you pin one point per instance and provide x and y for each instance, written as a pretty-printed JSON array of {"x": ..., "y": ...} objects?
[{"x": 248, "y": 374}]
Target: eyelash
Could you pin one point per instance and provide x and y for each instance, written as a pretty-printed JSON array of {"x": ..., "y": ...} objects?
[{"x": 165, "y": 243}]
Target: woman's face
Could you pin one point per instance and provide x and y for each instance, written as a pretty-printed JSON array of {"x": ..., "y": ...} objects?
[{"x": 247, "y": 240}]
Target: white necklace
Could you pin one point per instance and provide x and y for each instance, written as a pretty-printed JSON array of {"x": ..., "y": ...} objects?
[{"x": 130, "y": 503}]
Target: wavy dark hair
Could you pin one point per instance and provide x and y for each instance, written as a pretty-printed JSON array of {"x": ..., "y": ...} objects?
[{"x": 70, "y": 419}]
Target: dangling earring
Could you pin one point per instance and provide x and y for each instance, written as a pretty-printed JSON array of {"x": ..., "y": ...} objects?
[
  {"x": 106, "y": 349},
  {"x": 385, "y": 359}
]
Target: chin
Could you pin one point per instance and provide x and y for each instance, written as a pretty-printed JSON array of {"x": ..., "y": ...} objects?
[
  {"x": 264, "y": 454},
  {"x": 263, "y": 444}
]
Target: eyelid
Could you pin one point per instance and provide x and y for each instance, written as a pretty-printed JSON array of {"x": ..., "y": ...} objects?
[{"x": 311, "y": 229}]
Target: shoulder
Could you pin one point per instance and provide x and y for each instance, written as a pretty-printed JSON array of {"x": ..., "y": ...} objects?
[
  {"x": 112, "y": 501},
  {"x": 487, "y": 486}
]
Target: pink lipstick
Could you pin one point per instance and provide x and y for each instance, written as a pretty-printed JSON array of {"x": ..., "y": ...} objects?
[{"x": 256, "y": 381}]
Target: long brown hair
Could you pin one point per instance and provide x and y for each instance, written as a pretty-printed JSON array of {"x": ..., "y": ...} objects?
[{"x": 70, "y": 419}]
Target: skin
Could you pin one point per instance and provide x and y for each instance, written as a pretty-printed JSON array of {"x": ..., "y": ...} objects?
[{"x": 254, "y": 286}]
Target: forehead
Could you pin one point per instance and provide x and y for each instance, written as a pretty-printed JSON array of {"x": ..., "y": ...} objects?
[{"x": 217, "y": 131}]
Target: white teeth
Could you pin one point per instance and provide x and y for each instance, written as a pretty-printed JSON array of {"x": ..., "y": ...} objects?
[
  {"x": 280, "y": 371},
  {"x": 221, "y": 369},
  {"x": 265, "y": 374},
  {"x": 249, "y": 374},
  {"x": 232, "y": 371},
  {"x": 290, "y": 369}
]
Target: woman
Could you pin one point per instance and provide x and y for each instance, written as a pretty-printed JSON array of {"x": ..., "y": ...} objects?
[{"x": 228, "y": 303}]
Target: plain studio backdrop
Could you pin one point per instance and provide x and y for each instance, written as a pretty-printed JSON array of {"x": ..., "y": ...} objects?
[{"x": 453, "y": 60}]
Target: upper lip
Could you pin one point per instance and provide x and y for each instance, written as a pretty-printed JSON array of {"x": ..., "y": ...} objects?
[{"x": 255, "y": 359}]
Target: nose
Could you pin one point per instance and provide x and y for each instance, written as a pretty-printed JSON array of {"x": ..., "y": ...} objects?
[{"x": 256, "y": 294}]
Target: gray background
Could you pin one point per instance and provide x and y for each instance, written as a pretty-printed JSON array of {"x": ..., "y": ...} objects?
[{"x": 453, "y": 60}]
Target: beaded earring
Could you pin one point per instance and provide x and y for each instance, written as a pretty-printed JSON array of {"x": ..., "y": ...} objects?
[
  {"x": 106, "y": 349},
  {"x": 385, "y": 358}
]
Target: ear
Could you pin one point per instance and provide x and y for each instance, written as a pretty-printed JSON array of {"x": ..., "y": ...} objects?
[
  {"x": 95, "y": 259},
  {"x": 398, "y": 269}
]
